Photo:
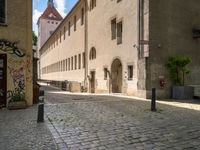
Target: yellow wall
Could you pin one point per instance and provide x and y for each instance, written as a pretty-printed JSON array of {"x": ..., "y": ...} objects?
[{"x": 19, "y": 28}]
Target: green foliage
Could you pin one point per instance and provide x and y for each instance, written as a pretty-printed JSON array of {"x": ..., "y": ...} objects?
[
  {"x": 34, "y": 38},
  {"x": 17, "y": 96},
  {"x": 177, "y": 67}
]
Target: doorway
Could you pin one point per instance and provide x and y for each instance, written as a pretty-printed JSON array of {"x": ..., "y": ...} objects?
[
  {"x": 3, "y": 79},
  {"x": 116, "y": 74},
  {"x": 92, "y": 82}
]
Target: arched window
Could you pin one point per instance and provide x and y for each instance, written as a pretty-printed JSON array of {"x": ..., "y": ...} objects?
[{"x": 92, "y": 53}]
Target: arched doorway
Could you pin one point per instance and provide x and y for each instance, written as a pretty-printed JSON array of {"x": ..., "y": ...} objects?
[{"x": 116, "y": 74}]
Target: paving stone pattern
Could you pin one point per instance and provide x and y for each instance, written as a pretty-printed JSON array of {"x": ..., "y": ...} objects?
[
  {"x": 105, "y": 122},
  {"x": 19, "y": 130}
]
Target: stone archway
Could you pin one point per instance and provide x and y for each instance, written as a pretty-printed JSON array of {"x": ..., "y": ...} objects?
[{"x": 116, "y": 74}]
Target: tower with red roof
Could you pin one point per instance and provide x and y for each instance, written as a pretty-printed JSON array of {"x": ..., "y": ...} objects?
[{"x": 47, "y": 23}]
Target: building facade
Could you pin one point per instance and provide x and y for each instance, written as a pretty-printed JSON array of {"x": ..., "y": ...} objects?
[
  {"x": 121, "y": 46},
  {"x": 15, "y": 50}
]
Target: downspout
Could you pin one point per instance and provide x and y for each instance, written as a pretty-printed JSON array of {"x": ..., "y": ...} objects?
[{"x": 86, "y": 45}]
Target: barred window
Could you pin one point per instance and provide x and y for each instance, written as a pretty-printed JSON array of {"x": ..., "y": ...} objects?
[{"x": 2, "y": 11}]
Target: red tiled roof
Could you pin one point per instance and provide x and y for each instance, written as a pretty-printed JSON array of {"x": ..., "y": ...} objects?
[{"x": 51, "y": 10}]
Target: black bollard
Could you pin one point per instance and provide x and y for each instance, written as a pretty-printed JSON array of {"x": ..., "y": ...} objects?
[
  {"x": 41, "y": 107},
  {"x": 40, "y": 112},
  {"x": 153, "y": 100}
]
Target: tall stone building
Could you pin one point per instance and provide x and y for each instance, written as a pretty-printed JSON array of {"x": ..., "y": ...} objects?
[
  {"x": 15, "y": 51},
  {"x": 122, "y": 46}
]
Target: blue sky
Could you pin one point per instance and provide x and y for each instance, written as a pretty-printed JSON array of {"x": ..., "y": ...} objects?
[{"x": 63, "y": 7}]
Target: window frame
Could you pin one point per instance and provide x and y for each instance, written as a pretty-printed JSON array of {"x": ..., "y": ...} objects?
[{"x": 5, "y": 15}]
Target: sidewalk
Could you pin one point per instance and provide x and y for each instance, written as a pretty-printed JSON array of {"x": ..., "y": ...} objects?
[{"x": 19, "y": 130}]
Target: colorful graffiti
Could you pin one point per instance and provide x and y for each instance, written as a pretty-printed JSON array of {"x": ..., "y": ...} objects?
[{"x": 18, "y": 77}]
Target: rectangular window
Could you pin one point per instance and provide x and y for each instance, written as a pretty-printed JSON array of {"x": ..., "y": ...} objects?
[
  {"x": 60, "y": 36},
  {"x": 56, "y": 39},
  {"x": 63, "y": 65},
  {"x": 79, "y": 61},
  {"x": 69, "y": 26},
  {"x": 83, "y": 59},
  {"x": 113, "y": 28},
  {"x": 82, "y": 16},
  {"x": 64, "y": 32},
  {"x": 2, "y": 11},
  {"x": 68, "y": 63},
  {"x": 130, "y": 72},
  {"x": 75, "y": 57},
  {"x": 105, "y": 73},
  {"x": 72, "y": 63},
  {"x": 74, "y": 23},
  {"x": 119, "y": 32},
  {"x": 119, "y": 1}
]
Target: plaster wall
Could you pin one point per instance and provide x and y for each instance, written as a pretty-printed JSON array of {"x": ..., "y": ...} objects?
[{"x": 18, "y": 29}]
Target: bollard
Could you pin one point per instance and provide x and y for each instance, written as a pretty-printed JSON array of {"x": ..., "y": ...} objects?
[
  {"x": 41, "y": 107},
  {"x": 153, "y": 100},
  {"x": 40, "y": 112}
]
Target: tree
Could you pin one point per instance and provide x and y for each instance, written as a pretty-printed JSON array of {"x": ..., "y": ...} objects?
[
  {"x": 177, "y": 66},
  {"x": 34, "y": 38}
]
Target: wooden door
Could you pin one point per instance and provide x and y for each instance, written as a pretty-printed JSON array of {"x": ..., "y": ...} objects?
[{"x": 3, "y": 79}]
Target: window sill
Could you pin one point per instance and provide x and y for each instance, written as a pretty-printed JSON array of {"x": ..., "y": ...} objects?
[{"x": 3, "y": 24}]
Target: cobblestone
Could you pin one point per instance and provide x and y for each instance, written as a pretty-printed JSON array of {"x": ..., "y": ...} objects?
[
  {"x": 19, "y": 130},
  {"x": 106, "y": 122}
]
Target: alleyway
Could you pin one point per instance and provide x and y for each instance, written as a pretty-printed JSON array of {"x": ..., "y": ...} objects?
[{"x": 107, "y": 122}]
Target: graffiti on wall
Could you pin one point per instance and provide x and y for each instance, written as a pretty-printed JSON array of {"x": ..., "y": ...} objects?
[
  {"x": 18, "y": 77},
  {"x": 11, "y": 48}
]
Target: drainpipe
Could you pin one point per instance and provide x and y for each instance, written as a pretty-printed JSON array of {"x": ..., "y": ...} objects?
[{"x": 86, "y": 44}]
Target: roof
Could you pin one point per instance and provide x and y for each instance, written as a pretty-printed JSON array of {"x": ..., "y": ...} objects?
[{"x": 51, "y": 13}]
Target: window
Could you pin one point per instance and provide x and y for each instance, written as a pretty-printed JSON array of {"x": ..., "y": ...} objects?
[
  {"x": 82, "y": 16},
  {"x": 83, "y": 59},
  {"x": 130, "y": 72},
  {"x": 68, "y": 63},
  {"x": 92, "y": 53},
  {"x": 50, "y": 32},
  {"x": 75, "y": 63},
  {"x": 105, "y": 73},
  {"x": 2, "y": 11},
  {"x": 72, "y": 63},
  {"x": 74, "y": 23},
  {"x": 113, "y": 28},
  {"x": 79, "y": 61},
  {"x": 63, "y": 65},
  {"x": 92, "y": 4},
  {"x": 119, "y": 1},
  {"x": 60, "y": 36},
  {"x": 69, "y": 26},
  {"x": 64, "y": 32},
  {"x": 56, "y": 39},
  {"x": 119, "y": 32}
]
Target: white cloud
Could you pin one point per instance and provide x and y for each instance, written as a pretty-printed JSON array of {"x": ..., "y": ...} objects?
[
  {"x": 36, "y": 15},
  {"x": 60, "y": 6}
]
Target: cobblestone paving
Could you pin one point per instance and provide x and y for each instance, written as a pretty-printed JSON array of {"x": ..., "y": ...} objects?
[
  {"x": 105, "y": 122},
  {"x": 19, "y": 130}
]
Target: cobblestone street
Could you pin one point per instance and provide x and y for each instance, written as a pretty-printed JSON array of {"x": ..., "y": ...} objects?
[
  {"x": 108, "y": 122},
  {"x": 19, "y": 130}
]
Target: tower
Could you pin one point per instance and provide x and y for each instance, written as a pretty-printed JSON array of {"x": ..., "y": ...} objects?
[{"x": 47, "y": 23}]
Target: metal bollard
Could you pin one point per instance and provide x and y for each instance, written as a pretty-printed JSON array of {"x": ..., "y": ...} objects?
[
  {"x": 41, "y": 107},
  {"x": 153, "y": 100}
]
